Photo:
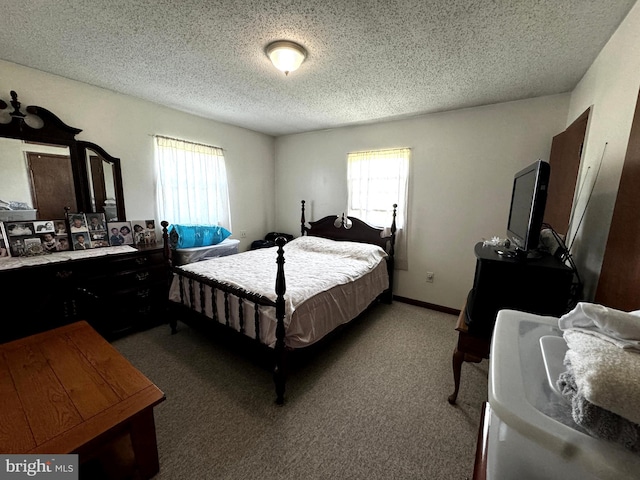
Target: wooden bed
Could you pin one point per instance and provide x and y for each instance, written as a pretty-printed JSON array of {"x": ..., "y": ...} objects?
[{"x": 239, "y": 295}]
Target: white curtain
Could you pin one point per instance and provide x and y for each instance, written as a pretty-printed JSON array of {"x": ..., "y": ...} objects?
[
  {"x": 376, "y": 180},
  {"x": 191, "y": 183}
]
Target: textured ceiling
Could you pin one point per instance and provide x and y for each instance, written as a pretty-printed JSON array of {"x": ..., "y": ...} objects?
[{"x": 368, "y": 60}]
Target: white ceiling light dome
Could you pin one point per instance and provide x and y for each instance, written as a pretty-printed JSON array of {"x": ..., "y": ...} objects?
[{"x": 286, "y": 56}]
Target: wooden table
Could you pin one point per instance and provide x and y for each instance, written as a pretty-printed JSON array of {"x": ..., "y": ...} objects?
[
  {"x": 69, "y": 391},
  {"x": 469, "y": 348}
]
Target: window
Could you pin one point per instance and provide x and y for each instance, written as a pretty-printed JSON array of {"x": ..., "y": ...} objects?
[
  {"x": 376, "y": 180},
  {"x": 191, "y": 183}
]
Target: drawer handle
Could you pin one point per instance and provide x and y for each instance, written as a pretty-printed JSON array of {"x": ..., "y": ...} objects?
[
  {"x": 88, "y": 294},
  {"x": 62, "y": 274},
  {"x": 143, "y": 293},
  {"x": 142, "y": 276},
  {"x": 142, "y": 260}
]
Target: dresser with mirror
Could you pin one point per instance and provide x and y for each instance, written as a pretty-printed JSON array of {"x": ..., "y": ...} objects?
[{"x": 47, "y": 173}]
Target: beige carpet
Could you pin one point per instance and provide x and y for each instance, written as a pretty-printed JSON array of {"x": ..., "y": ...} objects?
[{"x": 372, "y": 404}]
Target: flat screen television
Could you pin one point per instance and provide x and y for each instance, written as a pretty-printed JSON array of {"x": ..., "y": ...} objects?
[{"x": 528, "y": 201}]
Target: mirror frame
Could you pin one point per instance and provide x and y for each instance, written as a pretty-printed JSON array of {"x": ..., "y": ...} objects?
[
  {"x": 55, "y": 131},
  {"x": 83, "y": 149}
]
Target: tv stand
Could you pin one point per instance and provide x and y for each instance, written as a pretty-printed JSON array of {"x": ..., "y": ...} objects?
[
  {"x": 517, "y": 254},
  {"x": 540, "y": 284}
]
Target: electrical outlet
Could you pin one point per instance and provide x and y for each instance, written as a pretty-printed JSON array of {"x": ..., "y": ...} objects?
[
  {"x": 430, "y": 276},
  {"x": 243, "y": 234}
]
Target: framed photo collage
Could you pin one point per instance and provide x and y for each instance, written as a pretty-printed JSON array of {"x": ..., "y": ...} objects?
[{"x": 28, "y": 238}]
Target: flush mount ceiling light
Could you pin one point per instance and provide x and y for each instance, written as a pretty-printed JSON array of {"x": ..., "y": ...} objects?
[{"x": 286, "y": 56}]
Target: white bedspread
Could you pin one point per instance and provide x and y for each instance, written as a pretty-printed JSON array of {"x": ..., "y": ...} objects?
[{"x": 328, "y": 283}]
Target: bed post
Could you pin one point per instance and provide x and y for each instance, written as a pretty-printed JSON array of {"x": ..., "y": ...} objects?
[
  {"x": 303, "y": 229},
  {"x": 280, "y": 371},
  {"x": 165, "y": 238},
  {"x": 392, "y": 249},
  {"x": 391, "y": 261},
  {"x": 166, "y": 249}
]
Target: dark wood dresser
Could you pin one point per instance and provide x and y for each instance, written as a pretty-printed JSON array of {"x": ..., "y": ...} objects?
[{"x": 116, "y": 293}]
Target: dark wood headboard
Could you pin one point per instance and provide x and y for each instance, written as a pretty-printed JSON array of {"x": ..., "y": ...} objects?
[{"x": 337, "y": 228}]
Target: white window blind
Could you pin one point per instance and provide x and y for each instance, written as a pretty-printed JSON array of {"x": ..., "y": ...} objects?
[
  {"x": 191, "y": 183},
  {"x": 376, "y": 180}
]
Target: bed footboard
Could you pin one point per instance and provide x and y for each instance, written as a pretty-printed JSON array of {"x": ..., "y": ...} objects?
[{"x": 193, "y": 286}]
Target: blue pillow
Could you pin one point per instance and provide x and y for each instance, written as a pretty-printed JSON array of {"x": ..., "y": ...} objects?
[{"x": 188, "y": 236}]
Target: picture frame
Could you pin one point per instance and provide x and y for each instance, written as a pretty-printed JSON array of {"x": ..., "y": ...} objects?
[
  {"x": 138, "y": 227},
  {"x": 22, "y": 239},
  {"x": 81, "y": 240},
  {"x": 4, "y": 244},
  {"x": 33, "y": 246},
  {"x": 63, "y": 241},
  {"x": 78, "y": 231},
  {"x": 45, "y": 229},
  {"x": 120, "y": 233},
  {"x": 50, "y": 242},
  {"x": 97, "y": 228},
  {"x": 144, "y": 232},
  {"x": 96, "y": 222},
  {"x": 60, "y": 226},
  {"x": 151, "y": 236},
  {"x": 77, "y": 223},
  {"x": 99, "y": 239},
  {"x": 34, "y": 237},
  {"x": 20, "y": 228},
  {"x": 62, "y": 235},
  {"x": 44, "y": 226}
]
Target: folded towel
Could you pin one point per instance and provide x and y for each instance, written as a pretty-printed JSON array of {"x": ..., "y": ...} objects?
[
  {"x": 620, "y": 328},
  {"x": 607, "y": 376},
  {"x": 595, "y": 420}
]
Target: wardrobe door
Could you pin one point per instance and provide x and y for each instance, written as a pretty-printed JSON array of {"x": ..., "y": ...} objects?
[
  {"x": 619, "y": 283},
  {"x": 564, "y": 159}
]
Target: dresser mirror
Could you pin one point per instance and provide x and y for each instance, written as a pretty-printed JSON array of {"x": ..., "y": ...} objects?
[
  {"x": 105, "y": 181},
  {"x": 43, "y": 166}
]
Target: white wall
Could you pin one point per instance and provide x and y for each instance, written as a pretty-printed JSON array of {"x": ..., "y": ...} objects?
[
  {"x": 124, "y": 126},
  {"x": 14, "y": 181},
  {"x": 611, "y": 86},
  {"x": 462, "y": 169}
]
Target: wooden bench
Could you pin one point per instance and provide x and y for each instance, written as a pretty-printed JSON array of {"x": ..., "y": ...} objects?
[{"x": 69, "y": 391}]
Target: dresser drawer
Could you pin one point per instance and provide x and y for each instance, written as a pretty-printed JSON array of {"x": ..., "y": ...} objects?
[
  {"x": 130, "y": 271},
  {"x": 136, "y": 278},
  {"x": 141, "y": 260},
  {"x": 134, "y": 309}
]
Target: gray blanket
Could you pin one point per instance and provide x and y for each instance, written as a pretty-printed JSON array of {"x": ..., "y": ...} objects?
[{"x": 597, "y": 421}]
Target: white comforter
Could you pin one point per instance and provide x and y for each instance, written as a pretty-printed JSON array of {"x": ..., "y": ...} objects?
[{"x": 328, "y": 283}]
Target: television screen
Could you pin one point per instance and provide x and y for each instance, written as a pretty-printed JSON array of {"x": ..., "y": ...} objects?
[{"x": 528, "y": 200}]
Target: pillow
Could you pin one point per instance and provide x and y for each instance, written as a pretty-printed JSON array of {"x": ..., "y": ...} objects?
[
  {"x": 188, "y": 236},
  {"x": 366, "y": 252}
]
